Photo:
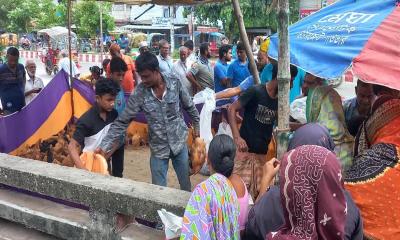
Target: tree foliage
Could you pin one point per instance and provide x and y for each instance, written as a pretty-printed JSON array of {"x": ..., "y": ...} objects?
[
  {"x": 25, "y": 16},
  {"x": 256, "y": 13},
  {"x": 87, "y": 18}
]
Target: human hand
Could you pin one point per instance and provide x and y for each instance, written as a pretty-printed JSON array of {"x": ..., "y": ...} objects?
[
  {"x": 196, "y": 133},
  {"x": 101, "y": 152},
  {"x": 37, "y": 90},
  {"x": 271, "y": 168},
  {"x": 241, "y": 144}
]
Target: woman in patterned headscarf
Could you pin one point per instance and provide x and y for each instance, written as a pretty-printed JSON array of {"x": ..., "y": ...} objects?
[
  {"x": 267, "y": 215},
  {"x": 375, "y": 174},
  {"x": 312, "y": 196}
]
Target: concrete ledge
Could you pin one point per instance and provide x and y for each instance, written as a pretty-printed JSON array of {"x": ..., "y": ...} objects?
[
  {"x": 43, "y": 215},
  {"x": 13, "y": 231},
  {"x": 140, "y": 232},
  {"x": 96, "y": 191}
]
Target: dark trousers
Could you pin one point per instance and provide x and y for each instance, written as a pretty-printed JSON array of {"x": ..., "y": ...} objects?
[{"x": 117, "y": 162}]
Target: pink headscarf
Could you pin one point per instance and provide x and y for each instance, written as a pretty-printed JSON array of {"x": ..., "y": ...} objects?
[{"x": 312, "y": 195}]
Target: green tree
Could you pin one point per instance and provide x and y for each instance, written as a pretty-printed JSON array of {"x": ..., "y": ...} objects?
[
  {"x": 256, "y": 13},
  {"x": 86, "y": 16},
  {"x": 5, "y": 7},
  {"x": 25, "y": 16},
  {"x": 21, "y": 18},
  {"x": 50, "y": 15}
]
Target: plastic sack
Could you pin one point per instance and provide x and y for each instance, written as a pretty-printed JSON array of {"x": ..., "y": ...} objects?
[
  {"x": 172, "y": 223},
  {"x": 207, "y": 96},
  {"x": 298, "y": 110},
  {"x": 94, "y": 162},
  {"x": 224, "y": 128}
]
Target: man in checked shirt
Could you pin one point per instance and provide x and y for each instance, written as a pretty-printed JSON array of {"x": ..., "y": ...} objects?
[{"x": 160, "y": 96}]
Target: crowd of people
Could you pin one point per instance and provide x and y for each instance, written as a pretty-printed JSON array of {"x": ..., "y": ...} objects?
[
  {"x": 341, "y": 164},
  {"x": 18, "y": 83}
]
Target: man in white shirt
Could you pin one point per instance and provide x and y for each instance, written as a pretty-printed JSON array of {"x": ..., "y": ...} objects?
[
  {"x": 64, "y": 64},
  {"x": 192, "y": 58},
  {"x": 180, "y": 69},
  {"x": 34, "y": 84},
  {"x": 164, "y": 60}
]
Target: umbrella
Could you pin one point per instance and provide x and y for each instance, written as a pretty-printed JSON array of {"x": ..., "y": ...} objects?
[{"x": 364, "y": 35}]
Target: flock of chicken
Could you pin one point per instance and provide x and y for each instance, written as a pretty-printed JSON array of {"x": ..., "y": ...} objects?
[
  {"x": 55, "y": 149},
  {"x": 52, "y": 150}
]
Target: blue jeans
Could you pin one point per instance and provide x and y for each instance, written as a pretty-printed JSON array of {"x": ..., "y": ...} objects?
[{"x": 180, "y": 162}]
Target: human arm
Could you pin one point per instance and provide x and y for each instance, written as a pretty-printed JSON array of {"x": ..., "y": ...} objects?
[
  {"x": 74, "y": 148},
  {"x": 220, "y": 75},
  {"x": 231, "y": 92},
  {"x": 240, "y": 142},
  {"x": 76, "y": 143},
  {"x": 32, "y": 91},
  {"x": 118, "y": 127},
  {"x": 269, "y": 171},
  {"x": 191, "y": 77},
  {"x": 230, "y": 73},
  {"x": 228, "y": 93},
  {"x": 247, "y": 98},
  {"x": 190, "y": 108},
  {"x": 192, "y": 80}
]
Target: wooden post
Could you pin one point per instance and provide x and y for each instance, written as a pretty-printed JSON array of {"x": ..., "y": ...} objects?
[
  {"x": 172, "y": 31},
  {"x": 69, "y": 41},
  {"x": 101, "y": 30},
  {"x": 71, "y": 79},
  {"x": 283, "y": 77},
  {"x": 245, "y": 40}
]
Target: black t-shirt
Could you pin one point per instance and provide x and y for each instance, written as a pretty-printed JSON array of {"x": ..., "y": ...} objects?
[
  {"x": 259, "y": 117},
  {"x": 90, "y": 123}
]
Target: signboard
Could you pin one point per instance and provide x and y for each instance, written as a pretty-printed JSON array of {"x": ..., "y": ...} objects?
[
  {"x": 207, "y": 29},
  {"x": 306, "y": 12},
  {"x": 161, "y": 21},
  {"x": 310, "y": 4}
]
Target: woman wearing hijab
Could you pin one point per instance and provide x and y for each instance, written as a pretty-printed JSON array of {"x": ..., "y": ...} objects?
[
  {"x": 374, "y": 176},
  {"x": 270, "y": 212},
  {"x": 324, "y": 106},
  {"x": 218, "y": 206}
]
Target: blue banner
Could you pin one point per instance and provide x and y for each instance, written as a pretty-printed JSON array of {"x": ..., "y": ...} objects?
[{"x": 326, "y": 42}]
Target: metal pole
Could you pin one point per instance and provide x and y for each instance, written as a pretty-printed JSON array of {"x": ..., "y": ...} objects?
[
  {"x": 193, "y": 30},
  {"x": 71, "y": 79},
  {"x": 283, "y": 77},
  {"x": 171, "y": 17},
  {"x": 69, "y": 41},
  {"x": 101, "y": 30},
  {"x": 243, "y": 36}
]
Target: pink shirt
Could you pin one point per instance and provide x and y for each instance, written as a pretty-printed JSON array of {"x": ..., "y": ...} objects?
[{"x": 244, "y": 209}]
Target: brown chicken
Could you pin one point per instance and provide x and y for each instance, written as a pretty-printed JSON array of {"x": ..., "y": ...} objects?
[
  {"x": 54, "y": 149},
  {"x": 197, "y": 155},
  {"x": 137, "y": 133}
]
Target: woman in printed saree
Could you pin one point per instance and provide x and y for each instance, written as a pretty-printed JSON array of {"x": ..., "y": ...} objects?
[
  {"x": 374, "y": 177},
  {"x": 324, "y": 106},
  {"x": 214, "y": 211},
  {"x": 312, "y": 195}
]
